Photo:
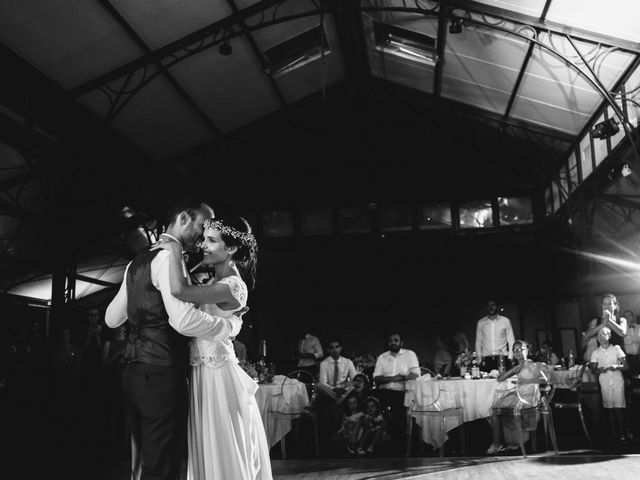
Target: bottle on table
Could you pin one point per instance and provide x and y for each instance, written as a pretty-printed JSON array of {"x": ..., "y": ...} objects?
[
  {"x": 501, "y": 367},
  {"x": 262, "y": 366},
  {"x": 475, "y": 366},
  {"x": 572, "y": 360}
]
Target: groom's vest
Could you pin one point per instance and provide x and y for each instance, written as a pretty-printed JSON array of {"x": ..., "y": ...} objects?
[{"x": 151, "y": 339}]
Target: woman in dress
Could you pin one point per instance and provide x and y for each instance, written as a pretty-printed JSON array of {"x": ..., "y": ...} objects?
[
  {"x": 226, "y": 434},
  {"x": 527, "y": 373}
]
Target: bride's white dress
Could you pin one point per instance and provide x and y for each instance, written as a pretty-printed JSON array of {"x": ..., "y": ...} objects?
[{"x": 226, "y": 435}]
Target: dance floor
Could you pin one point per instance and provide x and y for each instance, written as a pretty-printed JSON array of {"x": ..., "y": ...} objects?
[{"x": 578, "y": 465}]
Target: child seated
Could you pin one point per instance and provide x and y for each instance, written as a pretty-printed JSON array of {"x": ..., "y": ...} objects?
[
  {"x": 374, "y": 427},
  {"x": 351, "y": 429}
]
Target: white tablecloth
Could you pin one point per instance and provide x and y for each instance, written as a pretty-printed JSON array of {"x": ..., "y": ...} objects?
[
  {"x": 476, "y": 398},
  {"x": 294, "y": 397}
]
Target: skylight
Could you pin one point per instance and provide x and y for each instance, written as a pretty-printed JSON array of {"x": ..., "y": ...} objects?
[
  {"x": 405, "y": 44},
  {"x": 297, "y": 51}
]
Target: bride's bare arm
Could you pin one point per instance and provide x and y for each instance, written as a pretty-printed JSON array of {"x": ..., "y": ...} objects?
[{"x": 215, "y": 293}]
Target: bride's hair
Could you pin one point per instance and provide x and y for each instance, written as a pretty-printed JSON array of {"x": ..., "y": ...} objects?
[{"x": 246, "y": 256}]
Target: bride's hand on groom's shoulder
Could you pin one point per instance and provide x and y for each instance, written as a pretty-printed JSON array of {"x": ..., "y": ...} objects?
[{"x": 170, "y": 246}]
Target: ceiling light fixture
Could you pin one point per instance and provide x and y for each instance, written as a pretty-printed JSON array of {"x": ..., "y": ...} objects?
[
  {"x": 456, "y": 25},
  {"x": 605, "y": 129}
]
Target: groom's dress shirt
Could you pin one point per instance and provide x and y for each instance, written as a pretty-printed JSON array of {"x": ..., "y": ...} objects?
[{"x": 184, "y": 317}]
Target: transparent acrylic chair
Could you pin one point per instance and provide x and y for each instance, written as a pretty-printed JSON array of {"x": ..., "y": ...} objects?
[
  {"x": 529, "y": 397},
  {"x": 281, "y": 409},
  {"x": 567, "y": 395},
  {"x": 439, "y": 403}
]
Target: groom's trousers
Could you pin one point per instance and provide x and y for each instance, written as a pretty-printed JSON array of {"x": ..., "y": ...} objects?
[{"x": 156, "y": 401}]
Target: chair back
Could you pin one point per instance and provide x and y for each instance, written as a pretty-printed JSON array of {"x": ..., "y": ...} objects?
[
  {"x": 426, "y": 371},
  {"x": 303, "y": 376},
  {"x": 430, "y": 395},
  {"x": 533, "y": 384}
]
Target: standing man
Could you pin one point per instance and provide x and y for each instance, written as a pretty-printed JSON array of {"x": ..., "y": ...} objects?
[
  {"x": 393, "y": 368},
  {"x": 309, "y": 352},
  {"x": 154, "y": 379},
  {"x": 494, "y": 337}
]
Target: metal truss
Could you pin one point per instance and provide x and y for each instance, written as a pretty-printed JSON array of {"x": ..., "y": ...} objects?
[{"x": 121, "y": 85}]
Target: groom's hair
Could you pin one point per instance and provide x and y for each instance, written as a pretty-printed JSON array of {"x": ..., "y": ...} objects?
[{"x": 186, "y": 204}]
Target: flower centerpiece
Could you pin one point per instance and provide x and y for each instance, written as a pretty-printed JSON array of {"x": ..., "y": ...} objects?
[{"x": 463, "y": 361}]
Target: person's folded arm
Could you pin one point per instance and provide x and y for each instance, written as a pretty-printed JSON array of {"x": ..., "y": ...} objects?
[
  {"x": 184, "y": 317},
  {"x": 116, "y": 313}
]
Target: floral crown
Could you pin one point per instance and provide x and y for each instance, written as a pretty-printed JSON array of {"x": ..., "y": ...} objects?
[{"x": 246, "y": 239}]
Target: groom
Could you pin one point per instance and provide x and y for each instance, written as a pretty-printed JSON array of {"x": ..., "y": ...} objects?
[{"x": 154, "y": 380}]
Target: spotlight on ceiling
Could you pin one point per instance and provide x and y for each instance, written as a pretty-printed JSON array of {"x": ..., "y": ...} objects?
[
  {"x": 605, "y": 129},
  {"x": 626, "y": 170},
  {"x": 225, "y": 47},
  {"x": 456, "y": 25}
]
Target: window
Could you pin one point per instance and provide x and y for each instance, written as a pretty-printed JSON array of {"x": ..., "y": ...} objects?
[
  {"x": 396, "y": 218},
  {"x": 573, "y": 171},
  {"x": 317, "y": 222},
  {"x": 600, "y": 145},
  {"x": 586, "y": 157},
  {"x": 354, "y": 220},
  {"x": 476, "y": 214},
  {"x": 515, "y": 210},
  {"x": 296, "y": 51},
  {"x": 436, "y": 215},
  {"x": 405, "y": 43},
  {"x": 277, "y": 224},
  {"x": 548, "y": 199}
]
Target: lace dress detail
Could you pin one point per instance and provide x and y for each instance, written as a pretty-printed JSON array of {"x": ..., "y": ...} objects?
[{"x": 214, "y": 352}]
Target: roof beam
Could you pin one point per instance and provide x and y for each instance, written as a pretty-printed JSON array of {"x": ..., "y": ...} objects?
[
  {"x": 443, "y": 17},
  {"x": 165, "y": 73},
  {"x": 95, "y": 281},
  {"x": 257, "y": 52},
  {"x": 353, "y": 45},
  {"x": 173, "y": 47},
  {"x": 525, "y": 64}
]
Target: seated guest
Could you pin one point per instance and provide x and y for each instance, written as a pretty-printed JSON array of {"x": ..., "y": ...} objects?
[
  {"x": 335, "y": 371},
  {"x": 348, "y": 436},
  {"x": 442, "y": 359},
  {"x": 393, "y": 368},
  {"x": 547, "y": 355},
  {"x": 358, "y": 389},
  {"x": 374, "y": 427},
  {"x": 528, "y": 375}
]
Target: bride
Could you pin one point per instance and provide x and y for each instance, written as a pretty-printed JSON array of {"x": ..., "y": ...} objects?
[{"x": 226, "y": 434}]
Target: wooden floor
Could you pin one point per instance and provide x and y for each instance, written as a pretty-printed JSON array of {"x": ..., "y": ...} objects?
[
  {"x": 572, "y": 465},
  {"x": 567, "y": 466}
]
